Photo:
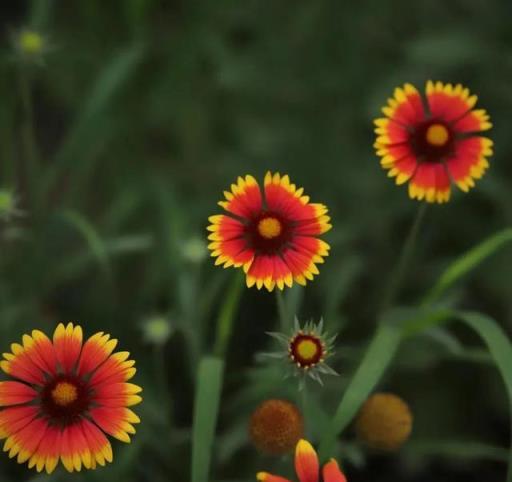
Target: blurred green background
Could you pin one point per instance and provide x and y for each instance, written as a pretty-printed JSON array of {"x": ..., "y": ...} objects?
[{"x": 144, "y": 111}]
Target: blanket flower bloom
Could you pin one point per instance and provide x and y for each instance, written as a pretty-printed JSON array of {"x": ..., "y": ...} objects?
[
  {"x": 306, "y": 349},
  {"x": 435, "y": 142},
  {"x": 66, "y": 395},
  {"x": 307, "y": 467},
  {"x": 272, "y": 234}
]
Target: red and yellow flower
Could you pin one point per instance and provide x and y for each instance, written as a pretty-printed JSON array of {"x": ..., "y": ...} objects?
[
  {"x": 65, "y": 396},
  {"x": 307, "y": 467},
  {"x": 272, "y": 234},
  {"x": 435, "y": 141}
]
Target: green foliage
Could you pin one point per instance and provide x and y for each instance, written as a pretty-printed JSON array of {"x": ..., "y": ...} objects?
[
  {"x": 209, "y": 380},
  {"x": 115, "y": 147}
]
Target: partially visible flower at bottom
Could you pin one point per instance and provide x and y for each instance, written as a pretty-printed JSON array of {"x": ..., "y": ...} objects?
[
  {"x": 276, "y": 426},
  {"x": 384, "y": 422},
  {"x": 66, "y": 396},
  {"x": 305, "y": 350},
  {"x": 307, "y": 467}
]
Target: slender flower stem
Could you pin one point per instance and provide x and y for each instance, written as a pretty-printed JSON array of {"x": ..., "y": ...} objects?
[
  {"x": 284, "y": 321},
  {"x": 160, "y": 366},
  {"x": 227, "y": 315},
  {"x": 30, "y": 165},
  {"x": 395, "y": 283},
  {"x": 303, "y": 403}
]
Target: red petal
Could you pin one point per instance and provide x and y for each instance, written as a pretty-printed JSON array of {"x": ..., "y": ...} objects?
[
  {"x": 332, "y": 472},
  {"x": 14, "y": 393},
  {"x": 244, "y": 200},
  {"x": 95, "y": 351},
  {"x": 430, "y": 182},
  {"x": 13, "y": 419},
  {"x": 67, "y": 342},
  {"x": 306, "y": 462},
  {"x": 406, "y": 107}
]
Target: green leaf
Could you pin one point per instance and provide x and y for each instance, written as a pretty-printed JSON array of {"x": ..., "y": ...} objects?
[
  {"x": 206, "y": 407},
  {"x": 460, "y": 449},
  {"x": 467, "y": 262},
  {"x": 227, "y": 314},
  {"x": 500, "y": 349},
  {"x": 377, "y": 358}
]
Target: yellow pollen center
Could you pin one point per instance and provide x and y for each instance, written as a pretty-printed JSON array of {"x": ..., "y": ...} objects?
[
  {"x": 437, "y": 135},
  {"x": 307, "y": 349},
  {"x": 64, "y": 394},
  {"x": 269, "y": 227}
]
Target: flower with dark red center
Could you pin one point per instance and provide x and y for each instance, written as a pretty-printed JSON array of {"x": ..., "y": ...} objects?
[
  {"x": 433, "y": 142},
  {"x": 272, "y": 234},
  {"x": 306, "y": 349},
  {"x": 66, "y": 396},
  {"x": 307, "y": 467}
]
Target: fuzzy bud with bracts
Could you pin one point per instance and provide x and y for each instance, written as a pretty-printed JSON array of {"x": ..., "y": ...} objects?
[{"x": 305, "y": 350}]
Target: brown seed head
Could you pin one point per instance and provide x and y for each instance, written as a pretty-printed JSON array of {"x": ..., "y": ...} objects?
[
  {"x": 384, "y": 422},
  {"x": 276, "y": 426}
]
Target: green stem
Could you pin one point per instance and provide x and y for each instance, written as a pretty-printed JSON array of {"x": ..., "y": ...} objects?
[
  {"x": 303, "y": 394},
  {"x": 162, "y": 375},
  {"x": 393, "y": 287},
  {"x": 284, "y": 321},
  {"x": 30, "y": 165},
  {"x": 227, "y": 315}
]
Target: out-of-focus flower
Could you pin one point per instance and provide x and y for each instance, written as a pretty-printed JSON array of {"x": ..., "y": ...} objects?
[
  {"x": 66, "y": 395},
  {"x": 433, "y": 142},
  {"x": 271, "y": 235},
  {"x": 306, "y": 350},
  {"x": 30, "y": 44},
  {"x": 194, "y": 250},
  {"x": 156, "y": 330},
  {"x": 384, "y": 422},
  {"x": 276, "y": 426},
  {"x": 8, "y": 205},
  {"x": 307, "y": 467}
]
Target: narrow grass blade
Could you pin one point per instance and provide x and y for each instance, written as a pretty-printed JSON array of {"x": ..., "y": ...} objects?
[
  {"x": 500, "y": 349},
  {"x": 206, "y": 407},
  {"x": 467, "y": 262},
  {"x": 377, "y": 358},
  {"x": 227, "y": 314},
  {"x": 89, "y": 125}
]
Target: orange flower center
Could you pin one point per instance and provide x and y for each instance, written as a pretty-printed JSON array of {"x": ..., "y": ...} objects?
[
  {"x": 269, "y": 228},
  {"x": 64, "y": 394},
  {"x": 437, "y": 135}
]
